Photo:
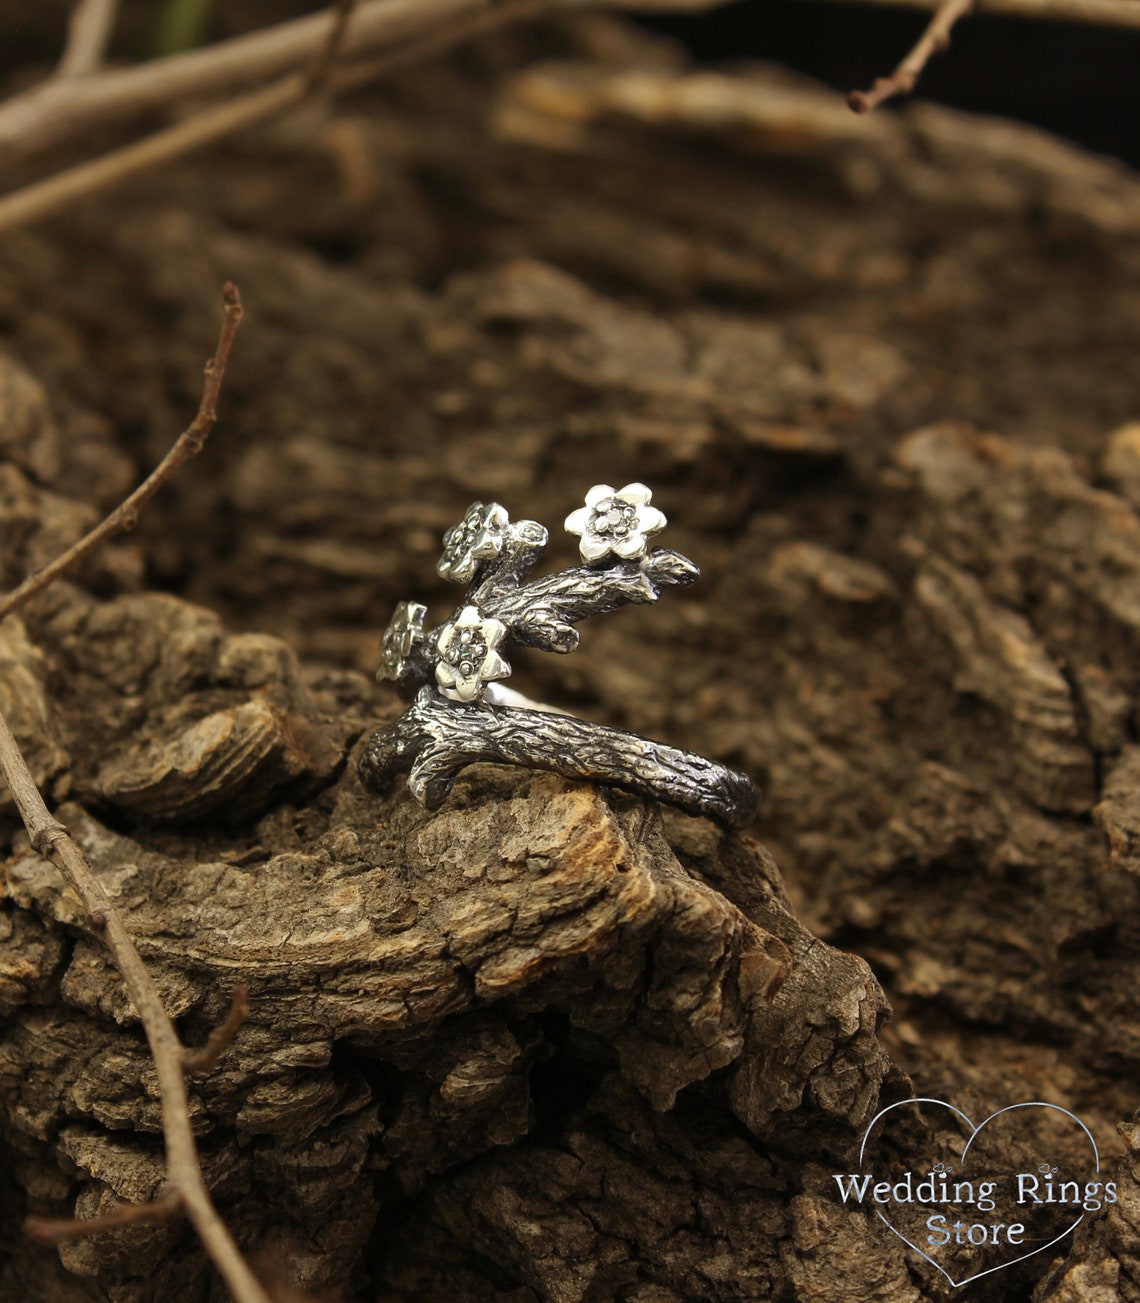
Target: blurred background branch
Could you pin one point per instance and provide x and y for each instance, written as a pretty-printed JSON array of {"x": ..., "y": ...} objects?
[{"x": 63, "y": 108}]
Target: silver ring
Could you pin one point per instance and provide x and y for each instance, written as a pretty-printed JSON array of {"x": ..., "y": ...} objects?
[{"x": 461, "y": 714}]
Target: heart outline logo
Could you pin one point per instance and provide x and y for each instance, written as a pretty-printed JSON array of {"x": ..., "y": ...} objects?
[{"x": 974, "y": 1132}]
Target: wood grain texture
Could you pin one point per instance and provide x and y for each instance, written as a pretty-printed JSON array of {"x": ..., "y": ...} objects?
[{"x": 880, "y": 374}]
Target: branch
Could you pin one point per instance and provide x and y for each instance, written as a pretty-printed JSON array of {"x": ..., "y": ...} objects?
[
  {"x": 88, "y": 31},
  {"x": 184, "y": 1181},
  {"x": 189, "y": 443},
  {"x": 1106, "y": 13},
  {"x": 435, "y": 739},
  {"x": 542, "y": 613},
  {"x": 184, "y": 1187},
  {"x": 331, "y": 50},
  {"x": 54, "y": 1230},
  {"x": 61, "y": 110},
  {"x": 64, "y": 107},
  {"x": 57, "y": 111},
  {"x": 220, "y": 1039},
  {"x": 55, "y": 194},
  {"x": 934, "y": 40}
]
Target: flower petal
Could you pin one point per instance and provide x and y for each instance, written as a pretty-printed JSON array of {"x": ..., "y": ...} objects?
[
  {"x": 446, "y": 675},
  {"x": 577, "y": 521},
  {"x": 650, "y": 520},
  {"x": 494, "y": 631},
  {"x": 467, "y": 689},
  {"x": 458, "y": 569},
  {"x": 597, "y": 493},
  {"x": 467, "y": 618},
  {"x": 486, "y": 546},
  {"x": 494, "y": 667},
  {"x": 592, "y": 548},
  {"x": 630, "y": 546},
  {"x": 635, "y": 494}
]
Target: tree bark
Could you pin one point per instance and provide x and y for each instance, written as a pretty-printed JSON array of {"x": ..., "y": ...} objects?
[{"x": 546, "y": 1042}]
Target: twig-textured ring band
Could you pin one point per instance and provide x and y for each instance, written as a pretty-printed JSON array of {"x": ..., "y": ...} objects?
[{"x": 454, "y": 720}]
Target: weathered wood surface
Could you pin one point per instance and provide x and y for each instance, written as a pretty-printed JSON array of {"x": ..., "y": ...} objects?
[
  {"x": 426, "y": 989},
  {"x": 881, "y": 375},
  {"x": 434, "y": 740}
]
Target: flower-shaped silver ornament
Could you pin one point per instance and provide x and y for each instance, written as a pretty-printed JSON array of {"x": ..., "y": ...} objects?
[
  {"x": 468, "y": 660},
  {"x": 478, "y": 537},
  {"x": 458, "y": 718},
  {"x": 403, "y": 635},
  {"x": 616, "y": 522}
]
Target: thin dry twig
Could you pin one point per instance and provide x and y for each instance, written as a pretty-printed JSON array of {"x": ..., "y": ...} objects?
[
  {"x": 184, "y": 1182},
  {"x": 219, "y": 1040},
  {"x": 934, "y": 40},
  {"x": 331, "y": 50},
  {"x": 184, "y": 1188},
  {"x": 57, "y": 193},
  {"x": 88, "y": 31},
  {"x": 54, "y": 1230},
  {"x": 57, "y": 111},
  {"x": 66, "y": 108},
  {"x": 188, "y": 444},
  {"x": 433, "y": 43},
  {"x": 406, "y": 29},
  {"x": 1104, "y": 13}
]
